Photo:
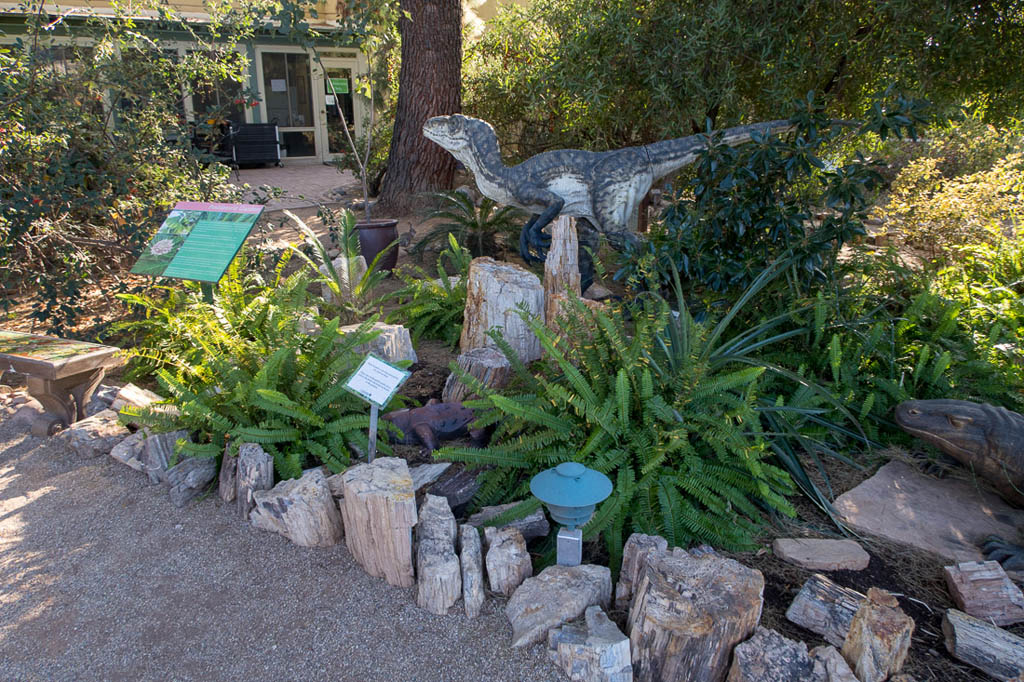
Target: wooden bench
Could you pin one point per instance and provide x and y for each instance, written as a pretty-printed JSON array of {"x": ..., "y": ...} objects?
[{"x": 61, "y": 374}]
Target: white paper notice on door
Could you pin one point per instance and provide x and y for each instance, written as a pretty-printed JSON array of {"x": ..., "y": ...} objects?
[
  {"x": 330, "y": 100},
  {"x": 278, "y": 85}
]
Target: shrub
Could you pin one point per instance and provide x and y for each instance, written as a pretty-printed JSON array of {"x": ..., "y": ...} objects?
[
  {"x": 241, "y": 369},
  {"x": 434, "y": 308}
]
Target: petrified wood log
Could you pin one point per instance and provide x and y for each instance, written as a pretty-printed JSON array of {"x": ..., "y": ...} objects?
[
  {"x": 189, "y": 478},
  {"x": 227, "y": 484},
  {"x": 561, "y": 267},
  {"x": 301, "y": 509},
  {"x": 439, "y": 582},
  {"x": 378, "y": 507},
  {"x": 825, "y": 608},
  {"x": 990, "y": 649},
  {"x": 488, "y": 365},
  {"x": 770, "y": 657},
  {"x": 592, "y": 651},
  {"x": 471, "y": 560},
  {"x": 255, "y": 472},
  {"x": 879, "y": 638},
  {"x": 534, "y": 525},
  {"x": 634, "y": 558},
  {"x": 983, "y": 590},
  {"x": 688, "y": 613},
  {"x": 508, "y": 562},
  {"x": 495, "y": 291}
]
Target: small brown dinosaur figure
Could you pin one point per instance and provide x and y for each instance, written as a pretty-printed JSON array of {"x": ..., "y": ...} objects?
[
  {"x": 986, "y": 439},
  {"x": 436, "y": 422}
]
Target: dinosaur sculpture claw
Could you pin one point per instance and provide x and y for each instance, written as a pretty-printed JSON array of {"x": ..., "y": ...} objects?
[
  {"x": 533, "y": 243},
  {"x": 1011, "y": 556}
]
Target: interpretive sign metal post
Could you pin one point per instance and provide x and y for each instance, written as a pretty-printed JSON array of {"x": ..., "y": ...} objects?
[{"x": 376, "y": 382}]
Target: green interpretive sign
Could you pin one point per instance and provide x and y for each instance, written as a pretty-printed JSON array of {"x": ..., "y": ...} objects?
[
  {"x": 339, "y": 86},
  {"x": 198, "y": 240}
]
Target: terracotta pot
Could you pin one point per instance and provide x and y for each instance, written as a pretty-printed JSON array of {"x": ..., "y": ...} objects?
[{"x": 374, "y": 237}]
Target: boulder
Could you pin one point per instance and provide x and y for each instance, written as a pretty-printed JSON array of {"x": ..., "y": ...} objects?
[
  {"x": 158, "y": 452},
  {"x": 688, "y": 613},
  {"x": 392, "y": 344},
  {"x": 816, "y": 554},
  {"x": 554, "y": 597},
  {"x": 129, "y": 450},
  {"x": 301, "y": 509},
  {"x": 634, "y": 556},
  {"x": 533, "y": 525},
  {"x": 879, "y": 638},
  {"x": 495, "y": 292},
  {"x": 439, "y": 576},
  {"x": 770, "y": 657},
  {"x": 96, "y": 435},
  {"x": 946, "y": 517},
  {"x": 592, "y": 651},
  {"x": 471, "y": 560},
  {"x": 508, "y": 562},
  {"x": 189, "y": 478}
]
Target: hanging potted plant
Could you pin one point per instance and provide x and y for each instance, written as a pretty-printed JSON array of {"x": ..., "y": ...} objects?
[{"x": 376, "y": 235}]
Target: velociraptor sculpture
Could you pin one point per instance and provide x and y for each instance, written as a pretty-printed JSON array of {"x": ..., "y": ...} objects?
[
  {"x": 603, "y": 188},
  {"x": 987, "y": 439}
]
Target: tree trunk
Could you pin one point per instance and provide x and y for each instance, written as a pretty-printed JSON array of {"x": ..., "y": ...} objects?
[{"x": 429, "y": 84}]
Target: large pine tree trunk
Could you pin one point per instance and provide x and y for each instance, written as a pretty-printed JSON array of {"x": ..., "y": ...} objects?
[{"x": 429, "y": 84}]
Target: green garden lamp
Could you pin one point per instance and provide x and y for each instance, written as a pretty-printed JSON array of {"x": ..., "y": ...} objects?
[{"x": 571, "y": 492}]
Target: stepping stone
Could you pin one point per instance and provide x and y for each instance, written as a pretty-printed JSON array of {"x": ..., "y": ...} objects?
[
  {"x": 817, "y": 554},
  {"x": 946, "y": 517}
]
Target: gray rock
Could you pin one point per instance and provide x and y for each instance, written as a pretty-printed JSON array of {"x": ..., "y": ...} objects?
[
  {"x": 457, "y": 487},
  {"x": 301, "y": 509},
  {"x": 96, "y": 435},
  {"x": 534, "y": 525},
  {"x": 129, "y": 450},
  {"x": 816, "y": 554},
  {"x": 133, "y": 395},
  {"x": 392, "y": 344},
  {"x": 946, "y": 517},
  {"x": 189, "y": 478},
  {"x": 101, "y": 399},
  {"x": 425, "y": 474},
  {"x": 471, "y": 559},
  {"x": 556, "y": 596},
  {"x": 439, "y": 578},
  {"x": 834, "y": 666},
  {"x": 594, "y": 651},
  {"x": 508, "y": 562},
  {"x": 596, "y": 292},
  {"x": 157, "y": 454},
  {"x": 769, "y": 657}
]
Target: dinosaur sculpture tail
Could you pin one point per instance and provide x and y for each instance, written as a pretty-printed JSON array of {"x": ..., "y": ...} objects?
[{"x": 669, "y": 156}]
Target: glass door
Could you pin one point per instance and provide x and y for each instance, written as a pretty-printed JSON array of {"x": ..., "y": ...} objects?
[
  {"x": 340, "y": 109},
  {"x": 288, "y": 98}
]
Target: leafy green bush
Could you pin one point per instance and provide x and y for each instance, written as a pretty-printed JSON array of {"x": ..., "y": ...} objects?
[
  {"x": 671, "y": 410},
  {"x": 775, "y": 196},
  {"x": 242, "y": 369},
  {"x": 434, "y": 308},
  {"x": 484, "y": 229}
]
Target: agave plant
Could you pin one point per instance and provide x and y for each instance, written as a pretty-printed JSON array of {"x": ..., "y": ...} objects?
[{"x": 482, "y": 229}]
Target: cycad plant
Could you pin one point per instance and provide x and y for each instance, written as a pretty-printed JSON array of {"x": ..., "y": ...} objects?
[
  {"x": 481, "y": 229},
  {"x": 434, "y": 308}
]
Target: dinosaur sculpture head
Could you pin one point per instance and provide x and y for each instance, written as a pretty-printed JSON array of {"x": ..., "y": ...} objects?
[
  {"x": 957, "y": 427},
  {"x": 459, "y": 134}
]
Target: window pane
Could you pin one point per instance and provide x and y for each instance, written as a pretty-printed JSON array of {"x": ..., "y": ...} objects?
[{"x": 288, "y": 92}]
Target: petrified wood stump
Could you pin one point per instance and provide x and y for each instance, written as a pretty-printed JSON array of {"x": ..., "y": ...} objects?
[
  {"x": 495, "y": 291},
  {"x": 488, "y": 365},
  {"x": 439, "y": 582},
  {"x": 255, "y": 472},
  {"x": 379, "y": 510}
]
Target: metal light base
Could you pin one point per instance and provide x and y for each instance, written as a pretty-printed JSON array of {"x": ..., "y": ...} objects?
[{"x": 570, "y": 547}]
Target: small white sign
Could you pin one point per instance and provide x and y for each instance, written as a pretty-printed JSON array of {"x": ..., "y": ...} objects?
[
  {"x": 376, "y": 381},
  {"x": 330, "y": 100},
  {"x": 278, "y": 85}
]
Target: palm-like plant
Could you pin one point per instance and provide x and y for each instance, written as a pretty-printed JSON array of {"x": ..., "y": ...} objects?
[{"x": 481, "y": 229}]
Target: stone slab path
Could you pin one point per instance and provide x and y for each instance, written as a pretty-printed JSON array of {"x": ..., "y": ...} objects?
[{"x": 102, "y": 578}]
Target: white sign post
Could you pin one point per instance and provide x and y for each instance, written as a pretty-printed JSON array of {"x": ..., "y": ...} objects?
[{"x": 376, "y": 382}]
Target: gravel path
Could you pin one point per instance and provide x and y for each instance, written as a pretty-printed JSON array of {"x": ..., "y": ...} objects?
[{"x": 101, "y": 578}]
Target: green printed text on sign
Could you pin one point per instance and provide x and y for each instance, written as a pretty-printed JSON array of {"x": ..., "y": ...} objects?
[
  {"x": 198, "y": 240},
  {"x": 339, "y": 86}
]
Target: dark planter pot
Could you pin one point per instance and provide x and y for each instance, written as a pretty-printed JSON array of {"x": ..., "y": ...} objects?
[{"x": 375, "y": 236}]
